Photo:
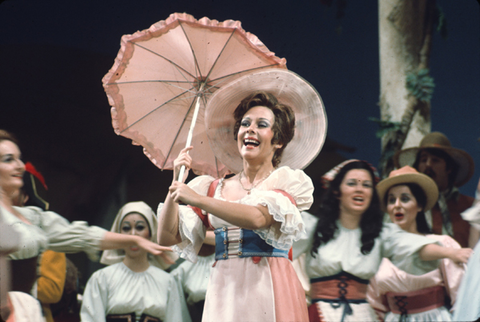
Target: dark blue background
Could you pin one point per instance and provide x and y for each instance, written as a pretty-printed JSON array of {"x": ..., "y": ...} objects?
[{"x": 344, "y": 66}]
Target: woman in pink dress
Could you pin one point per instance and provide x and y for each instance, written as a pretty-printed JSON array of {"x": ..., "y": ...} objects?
[
  {"x": 395, "y": 294},
  {"x": 255, "y": 214}
]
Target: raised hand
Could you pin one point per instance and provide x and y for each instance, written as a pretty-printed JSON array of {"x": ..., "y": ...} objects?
[
  {"x": 183, "y": 159},
  {"x": 180, "y": 192}
]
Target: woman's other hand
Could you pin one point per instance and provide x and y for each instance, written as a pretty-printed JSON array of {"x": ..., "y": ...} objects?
[{"x": 181, "y": 193}]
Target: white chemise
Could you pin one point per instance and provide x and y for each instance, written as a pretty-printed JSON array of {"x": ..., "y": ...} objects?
[
  {"x": 49, "y": 230},
  {"x": 116, "y": 289}
]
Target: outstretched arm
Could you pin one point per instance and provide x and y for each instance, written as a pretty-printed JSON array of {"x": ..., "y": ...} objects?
[
  {"x": 118, "y": 241},
  {"x": 432, "y": 252}
]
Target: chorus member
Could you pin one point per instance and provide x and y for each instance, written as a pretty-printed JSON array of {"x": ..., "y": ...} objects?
[
  {"x": 397, "y": 295},
  {"x": 40, "y": 230},
  {"x": 133, "y": 286},
  {"x": 450, "y": 168},
  {"x": 350, "y": 241}
]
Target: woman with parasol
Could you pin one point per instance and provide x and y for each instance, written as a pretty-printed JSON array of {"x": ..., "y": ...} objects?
[{"x": 256, "y": 212}]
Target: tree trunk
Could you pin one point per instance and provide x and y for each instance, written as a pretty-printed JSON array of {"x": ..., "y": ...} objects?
[{"x": 405, "y": 36}]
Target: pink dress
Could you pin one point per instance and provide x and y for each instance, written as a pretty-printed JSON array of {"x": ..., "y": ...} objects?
[
  {"x": 241, "y": 289},
  {"x": 389, "y": 278}
]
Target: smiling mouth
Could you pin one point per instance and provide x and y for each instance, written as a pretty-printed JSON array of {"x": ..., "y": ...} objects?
[{"x": 251, "y": 142}]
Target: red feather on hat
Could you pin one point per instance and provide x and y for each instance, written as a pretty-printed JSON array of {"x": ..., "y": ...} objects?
[{"x": 31, "y": 169}]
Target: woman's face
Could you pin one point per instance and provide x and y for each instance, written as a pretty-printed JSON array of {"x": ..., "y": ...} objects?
[
  {"x": 255, "y": 134},
  {"x": 11, "y": 167},
  {"x": 402, "y": 207},
  {"x": 356, "y": 192},
  {"x": 134, "y": 224}
]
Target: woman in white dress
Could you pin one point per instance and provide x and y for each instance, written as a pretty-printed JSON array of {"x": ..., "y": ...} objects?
[
  {"x": 255, "y": 213},
  {"x": 395, "y": 294},
  {"x": 40, "y": 230},
  {"x": 349, "y": 242},
  {"x": 134, "y": 285}
]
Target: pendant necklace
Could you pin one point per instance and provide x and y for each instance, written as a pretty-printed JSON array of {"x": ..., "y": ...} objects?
[{"x": 248, "y": 190}]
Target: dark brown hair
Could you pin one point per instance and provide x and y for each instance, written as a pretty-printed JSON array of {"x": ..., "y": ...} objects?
[
  {"x": 283, "y": 126},
  {"x": 421, "y": 198},
  {"x": 371, "y": 222}
]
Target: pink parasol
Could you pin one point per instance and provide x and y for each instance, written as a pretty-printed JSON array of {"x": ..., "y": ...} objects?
[{"x": 163, "y": 77}]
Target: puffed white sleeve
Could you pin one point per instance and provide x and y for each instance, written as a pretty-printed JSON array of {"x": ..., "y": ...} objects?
[
  {"x": 402, "y": 249},
  {"x": 94, "y": 303},
  {"x": 191, "y": 228},
  {"x": 303, "y": 245},
  {"x": 289, "y": 225},
  {"x": 67, "y": 237}
]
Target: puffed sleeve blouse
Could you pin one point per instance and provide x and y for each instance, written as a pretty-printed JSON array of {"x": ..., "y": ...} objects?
[
  {"x": 288, "y": 225},
  {"x": 49, "y": 230},
  {"x": 389, "y": 278},
  {"x": 342, "y": 253}
]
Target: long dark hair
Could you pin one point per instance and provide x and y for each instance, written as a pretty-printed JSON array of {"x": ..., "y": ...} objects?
[{"x": 372, "y": 219}]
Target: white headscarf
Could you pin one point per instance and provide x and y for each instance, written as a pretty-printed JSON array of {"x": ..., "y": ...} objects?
[{"x": 113, "y": 256}]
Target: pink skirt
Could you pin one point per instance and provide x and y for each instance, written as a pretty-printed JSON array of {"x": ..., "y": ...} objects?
[{"x": 241, "y": 290}]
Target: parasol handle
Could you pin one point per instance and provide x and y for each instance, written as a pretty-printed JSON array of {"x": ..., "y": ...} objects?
[{"x": 192, "y": 126}]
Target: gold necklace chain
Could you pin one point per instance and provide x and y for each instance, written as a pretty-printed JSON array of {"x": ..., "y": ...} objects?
[{"x": 248, "y": 190}]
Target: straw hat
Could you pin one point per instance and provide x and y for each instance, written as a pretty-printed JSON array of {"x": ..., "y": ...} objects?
[
  {"x": 437, "y": 140},
  {"x": 408, "y": 174},
  {"x": 290, "y": 89}
]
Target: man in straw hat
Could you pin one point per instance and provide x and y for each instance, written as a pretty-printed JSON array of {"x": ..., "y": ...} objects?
[{"x": 450, "y": 168}]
